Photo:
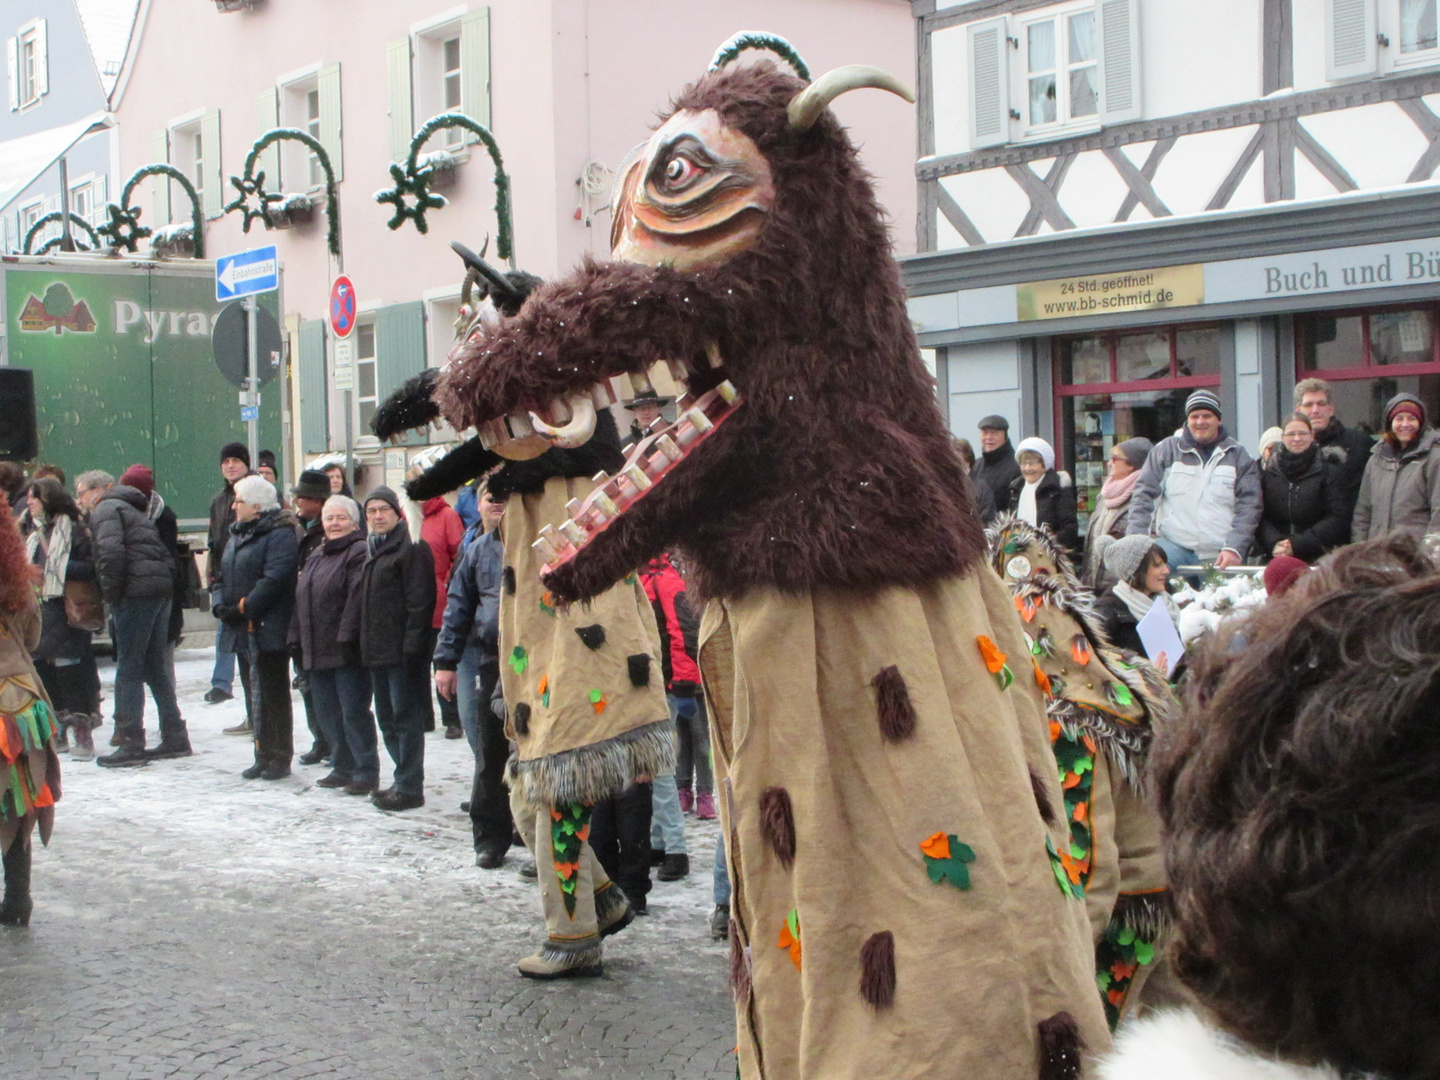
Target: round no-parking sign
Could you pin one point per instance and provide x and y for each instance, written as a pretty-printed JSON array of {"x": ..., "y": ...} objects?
[{"x": 342, "y": 306}]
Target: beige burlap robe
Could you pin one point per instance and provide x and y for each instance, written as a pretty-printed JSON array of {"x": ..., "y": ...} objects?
[
  {"x": 975, "y": 970},
  {"x": 584, "y": 693}
]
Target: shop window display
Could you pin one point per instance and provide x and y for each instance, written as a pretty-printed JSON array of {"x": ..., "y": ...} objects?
[
  {"x": 1369, "y": 356},
  {"x": 1113, "y": 387}
]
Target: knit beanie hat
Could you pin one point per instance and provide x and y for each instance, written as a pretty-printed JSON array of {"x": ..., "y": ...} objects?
[
  {"x": 1404, "y": 403},
  {"x": 267, "y": 457},
  {"x": 1126, "y": 555},
  {"x": 1281, "y": 573},
  {"x": 385, "y": 495},
  {"x": 235, "y": 450},
  {"x": 994, "y": 423},
  {"x": 1203, "y": 399},
  {"x": 1037, "y": 446},
  {"x": 257, "y": 491},
  {"x": 1270, "y": 437},
  {"x": 140, "y": 478},
  {"x": 1136, "y": 450}
]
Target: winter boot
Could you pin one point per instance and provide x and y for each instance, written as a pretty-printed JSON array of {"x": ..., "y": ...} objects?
[
  {"x": 705, "y": 806},
  {"x": 674, "y": 868},
  {"x": 83, "y": 749},
  {"x": 17, "y": 905},
  {"x": 720, "y": 922},
  {"x": 242, "y": 728},
  {"x": 62, "y": 732},
  {"x": 612, "y": 910},
  {"x": 564, "y": 960},
  {"x": 687, "y": 799}
]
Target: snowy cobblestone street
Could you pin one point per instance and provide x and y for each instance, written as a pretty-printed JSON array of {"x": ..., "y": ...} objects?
[{"x": 189, "y": 923}]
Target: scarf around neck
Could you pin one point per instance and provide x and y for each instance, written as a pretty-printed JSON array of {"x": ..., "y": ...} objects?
[
  {"x": 1294, "y": 466},
  {"x": 1140, "y": 604},
  {"x": 1116, "y": 493},
  {"x": 57, "y": 552}
]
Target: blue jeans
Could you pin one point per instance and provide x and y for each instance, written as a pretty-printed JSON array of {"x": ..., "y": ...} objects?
[
  {"x": 342, "y": 709},
  {"x": 467, "y": 674},
  {"x": 1176, "y": 555},
  {"x": 223, "y": 677},
  {"x": 667, "y": 824},
  {"x": 143, "y": 658},
  {"x": 720, "y": 880},
  {"x": 402, "y": 694},
  {"x": 693, "y": 731}
]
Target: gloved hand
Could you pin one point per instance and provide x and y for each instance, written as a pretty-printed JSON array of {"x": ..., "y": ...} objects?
[{"x": 229, "y": 614}]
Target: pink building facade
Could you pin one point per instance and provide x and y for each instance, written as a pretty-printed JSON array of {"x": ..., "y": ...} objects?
[{"x": 567, "y": 87}]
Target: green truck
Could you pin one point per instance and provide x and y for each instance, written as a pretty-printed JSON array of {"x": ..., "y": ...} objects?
[{"x": 126, "y": 371}]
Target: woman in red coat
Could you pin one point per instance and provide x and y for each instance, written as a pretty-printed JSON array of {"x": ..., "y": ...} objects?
[{"x": 443, "y": 530}]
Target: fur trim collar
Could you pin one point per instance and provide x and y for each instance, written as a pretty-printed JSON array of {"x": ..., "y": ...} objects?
[{"x": 1179, "y": 1045}]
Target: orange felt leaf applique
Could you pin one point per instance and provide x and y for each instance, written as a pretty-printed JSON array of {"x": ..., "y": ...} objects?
[
  {"x": 936, "y": 846},
  {"x": 1080, "y": 650},
  {"x": 990, "y": 652},
  {"x": 1041, "y": 679},
  {"x": 790, "y": 936}
]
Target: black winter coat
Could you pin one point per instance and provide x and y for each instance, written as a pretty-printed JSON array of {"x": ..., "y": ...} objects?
[
  {"x": 397, "y": 601},
  {"x": 222, "y": 516},
  {"x": 998, "y": 470},
  {"x": 1310, "y": 511},
  {"x": 1121, "y": 627},
  {"x": 58, "y": 639},
  {"x": 1054, "y": 506},
  {"x": 1348, "y": 451},
  {"x": 326, "y": 625},
  {"x": 258, "y": 570},
  {"x": 168, "y": 527},
  {"x": 132, "y": 561},
  {"x": 472, "y": 604}
]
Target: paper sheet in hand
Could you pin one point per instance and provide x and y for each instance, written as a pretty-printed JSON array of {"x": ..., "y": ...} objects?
[{"x": 1158, "y": 634}]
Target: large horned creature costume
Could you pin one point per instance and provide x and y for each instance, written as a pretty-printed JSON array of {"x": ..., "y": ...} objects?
[{"x": 886, "y": 773}]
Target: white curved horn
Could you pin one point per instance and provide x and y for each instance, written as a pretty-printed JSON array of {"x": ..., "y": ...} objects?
[
  {"x": 578, "y": 430},
  {"x": 805, "y": 107}
]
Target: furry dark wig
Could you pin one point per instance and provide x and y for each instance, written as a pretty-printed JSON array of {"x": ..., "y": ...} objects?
[
  {"x": 837, "y": 469},
  {"x": 1300, "y": 795}
]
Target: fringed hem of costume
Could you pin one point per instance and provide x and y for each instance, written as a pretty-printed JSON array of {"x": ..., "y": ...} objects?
[
  {"x": 569, "y": 829},
  {"x": 29, "y": 768},
  {"x": 1127, "y": 945},
  {"x": 1127, "y": 745},
  {"x": 589, "y": 773}
]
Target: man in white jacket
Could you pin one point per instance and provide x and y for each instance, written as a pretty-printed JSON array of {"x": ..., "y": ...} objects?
[{"x": 1199, "y": 491}]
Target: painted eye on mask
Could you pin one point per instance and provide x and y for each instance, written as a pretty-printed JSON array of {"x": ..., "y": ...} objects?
[{"x": 679, "y": 172}]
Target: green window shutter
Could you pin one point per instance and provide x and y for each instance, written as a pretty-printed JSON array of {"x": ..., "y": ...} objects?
[
  {"x": 399, "y": 349},
  {"x": 160, "y": 155},
  {"x": 314, "y": 388},
  {"x": 269, "y": 160},
  {"x": 213, "y": 197},
  {"x": 475, "y": 67},
  {"x": 330, "y": 123},
  {"x": 397, "y": 72}
]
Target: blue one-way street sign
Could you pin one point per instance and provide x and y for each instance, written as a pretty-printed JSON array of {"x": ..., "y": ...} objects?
[{"x": 254, "y": 271}]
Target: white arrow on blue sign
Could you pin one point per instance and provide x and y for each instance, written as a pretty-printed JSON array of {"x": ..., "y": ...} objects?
[
  {"x": 254, "y": 271},
  {"x": 249, "y": 412}
]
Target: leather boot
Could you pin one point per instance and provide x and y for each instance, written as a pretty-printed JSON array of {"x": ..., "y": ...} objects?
[
  {"x": 83, "y": 747},
  {"x": 16, "y": 907}
]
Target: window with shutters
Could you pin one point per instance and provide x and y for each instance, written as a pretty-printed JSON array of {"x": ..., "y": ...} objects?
[
  {"x": 449, "y": 72},
  {"x": 300, "y": 108},
  {"x": 187, "y": 153},
  {"x": 366, "y": 382},
  {"x": 1060, "y": 69},
  {"x": 308, "y": 100},
  {"x": 191, "y": 143},
  {"x": 28, "y": 65},
  {"x": 1415, "y": 32}
]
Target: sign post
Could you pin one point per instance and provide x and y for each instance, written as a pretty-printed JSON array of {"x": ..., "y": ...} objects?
[
  {"x": 246, "y": 275},
  {"x": 342, "y": 324}
]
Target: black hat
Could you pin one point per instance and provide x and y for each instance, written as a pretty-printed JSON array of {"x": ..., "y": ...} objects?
[
  {"x": 313, "y": 484},
  {"x": 647, "y": 397},
  {"x": 385, "y": 495},
  {"x": 267, "y": 457},
  {"x": 235, "y": 450},
  {"x": 994, "y": 423}
]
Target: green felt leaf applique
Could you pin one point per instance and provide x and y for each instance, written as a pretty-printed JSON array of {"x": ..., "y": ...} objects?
[
  {"x": 519, "y": 660},
  {"x": 1005, "y": 678},
  {"x": 946, "y": 858}
]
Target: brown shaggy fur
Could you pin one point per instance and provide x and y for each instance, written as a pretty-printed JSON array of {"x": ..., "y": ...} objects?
[
  {"x": 739, "y": 967},
  {"x": 1042, "y": 799},
  {"x": 877, "y": 969},
  {"x": 1300, "y": 795},
  {"x": 16, "y": 591},
  {"x": 639, "y": 666},
  {"x": 837, "y": 470},
  {"x": 777, "y": 822},
  {"x": 522, "y": 719},
  {"x": 892, "y": 701},
  {"x": 1060, "y": 1048}
]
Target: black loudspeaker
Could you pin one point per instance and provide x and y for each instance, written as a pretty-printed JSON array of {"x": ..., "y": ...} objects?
[{"x": 19, "y": 441}]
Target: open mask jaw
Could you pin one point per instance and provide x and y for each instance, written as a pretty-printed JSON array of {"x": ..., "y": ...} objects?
[{"x": 647, "y": 465}]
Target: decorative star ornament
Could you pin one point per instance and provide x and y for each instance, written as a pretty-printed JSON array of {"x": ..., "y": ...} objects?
[
  {"x": 416, "y": 185},
  {"x": 124, "y": 230}
]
